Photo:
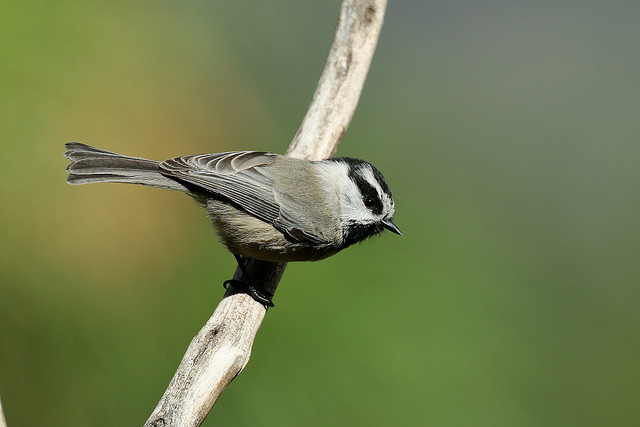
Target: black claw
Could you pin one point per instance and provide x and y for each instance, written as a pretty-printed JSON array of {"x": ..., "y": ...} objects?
[{"x": 259, "y": 295}]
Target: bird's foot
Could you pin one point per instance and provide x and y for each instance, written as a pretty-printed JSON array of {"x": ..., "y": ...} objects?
[{"x": 259, "y": 295}]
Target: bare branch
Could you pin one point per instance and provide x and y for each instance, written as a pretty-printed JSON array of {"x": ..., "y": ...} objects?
[
  {"x": 338, "y": 91},
  {"x": 3, "y": 422},
  {"x": 222, "y": 347}
]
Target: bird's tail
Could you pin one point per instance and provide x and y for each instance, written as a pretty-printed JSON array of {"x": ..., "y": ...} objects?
[{"x": 90, "y": 164}]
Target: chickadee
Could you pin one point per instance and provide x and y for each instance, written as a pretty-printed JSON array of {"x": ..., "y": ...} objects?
[{"x": 263, "y": 205}]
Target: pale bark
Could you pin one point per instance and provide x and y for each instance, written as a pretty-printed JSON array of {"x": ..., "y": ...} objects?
[
  {"x": 3, "y": 422},
  {"x": 222, "y": 347}
]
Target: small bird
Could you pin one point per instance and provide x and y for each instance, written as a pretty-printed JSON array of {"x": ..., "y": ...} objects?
[{"x": 263, "y": 205}]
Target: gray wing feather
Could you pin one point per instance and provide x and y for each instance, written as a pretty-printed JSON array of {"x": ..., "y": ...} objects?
[
  {"x": 242, "y": 178},
  {"x": 300, "y": 227}
]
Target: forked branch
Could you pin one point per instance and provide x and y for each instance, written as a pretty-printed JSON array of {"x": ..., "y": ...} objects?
[{"x": 222, "y": 347}]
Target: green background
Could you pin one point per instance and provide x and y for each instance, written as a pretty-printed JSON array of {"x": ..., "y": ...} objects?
[{"x": 509, "y": 132}]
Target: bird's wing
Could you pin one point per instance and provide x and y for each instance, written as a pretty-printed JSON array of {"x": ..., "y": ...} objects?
[{"x": 243, "y": 179}]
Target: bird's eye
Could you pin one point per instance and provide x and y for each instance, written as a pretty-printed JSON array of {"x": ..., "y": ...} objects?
[{"x": 369, "y": 202}]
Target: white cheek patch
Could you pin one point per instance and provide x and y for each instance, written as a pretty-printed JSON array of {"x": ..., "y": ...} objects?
[{"x": 349, "y": 206}]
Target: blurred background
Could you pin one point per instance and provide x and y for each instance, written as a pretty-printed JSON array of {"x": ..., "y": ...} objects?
[{"x": 509, "y": 132}]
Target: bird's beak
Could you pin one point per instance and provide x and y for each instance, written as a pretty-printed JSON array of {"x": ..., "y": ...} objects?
[{"x": 389, "y": 225}]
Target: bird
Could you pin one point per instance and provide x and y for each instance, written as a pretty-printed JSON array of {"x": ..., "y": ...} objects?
[{"x": 262, "y": 205}]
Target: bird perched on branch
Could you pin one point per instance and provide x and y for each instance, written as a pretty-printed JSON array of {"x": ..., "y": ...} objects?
[{"x": 263, "y": 205}]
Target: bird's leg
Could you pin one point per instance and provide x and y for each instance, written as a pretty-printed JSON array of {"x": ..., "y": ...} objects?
[{"x": 258, "y": 294}]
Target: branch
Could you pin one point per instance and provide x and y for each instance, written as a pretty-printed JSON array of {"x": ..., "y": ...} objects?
[
  {"x": 341, "y": 82},
  {"x": 222, "y": 347},
  {"x": 3, "y": 422}
]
